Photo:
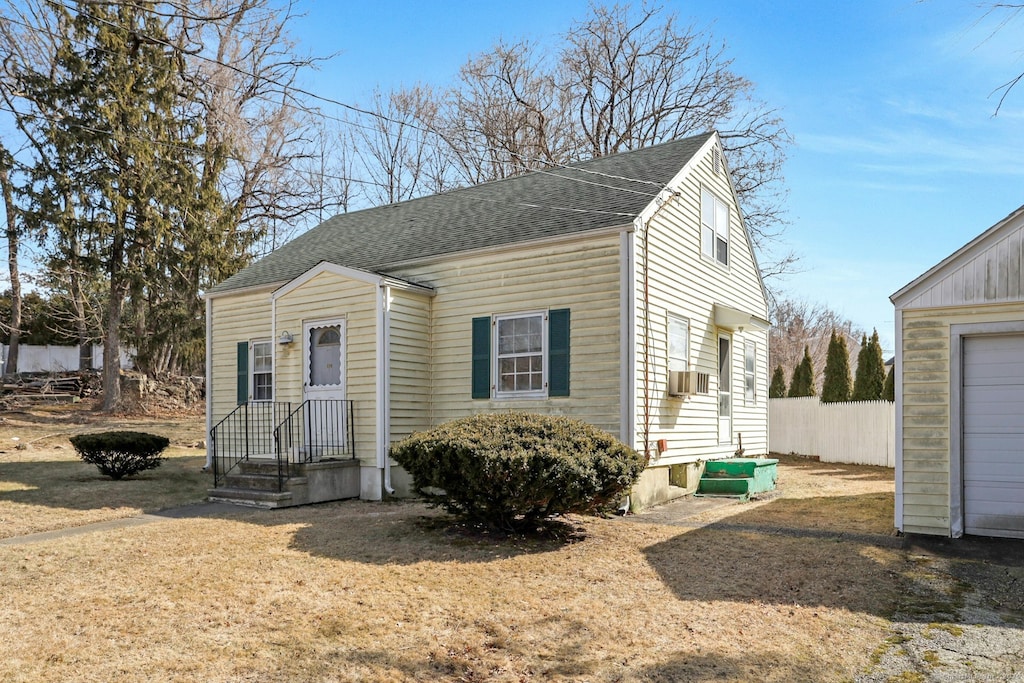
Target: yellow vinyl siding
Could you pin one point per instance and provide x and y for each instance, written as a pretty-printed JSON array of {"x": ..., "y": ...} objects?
[
  {"x": 926, "y": 410},
  {"x": 685, "y": 283},
  {"x": 582, "y": 276},
  {"x": 328, "y": 297},
  {"x": 410, "y": 364},
  {"x": 236, "y": 318}
]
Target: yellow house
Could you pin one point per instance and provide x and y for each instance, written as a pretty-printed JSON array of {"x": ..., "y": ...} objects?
[
  {"x": 623, "y": 291},
  {"x": 960, "y": 390}
]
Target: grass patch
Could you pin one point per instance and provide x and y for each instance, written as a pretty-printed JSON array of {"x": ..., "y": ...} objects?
[
  {"x": 45, "y": 486},
  {"x": 952, "y": 629},
  {"x": 907, "y": 677}
]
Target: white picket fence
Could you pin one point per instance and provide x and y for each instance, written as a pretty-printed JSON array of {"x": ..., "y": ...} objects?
[{"x": 857, "y": 433}]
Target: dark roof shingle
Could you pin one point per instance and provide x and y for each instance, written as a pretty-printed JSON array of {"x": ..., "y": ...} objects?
[{"x": 590, "y": 195}]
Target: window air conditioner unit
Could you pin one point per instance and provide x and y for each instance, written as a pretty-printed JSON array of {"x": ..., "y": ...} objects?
[{"x": 686, "y": 383}]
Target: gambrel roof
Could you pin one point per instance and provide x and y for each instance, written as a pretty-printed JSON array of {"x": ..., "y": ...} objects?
[{"x": 600, "y": 193}]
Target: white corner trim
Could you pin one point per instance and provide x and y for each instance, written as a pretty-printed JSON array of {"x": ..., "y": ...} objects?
[
  {"x": 627, "y": 338},
  {"x": 209, "y": 384},
  {"x": 898, "y": 381},
  {"x": 383, "y": 389}
]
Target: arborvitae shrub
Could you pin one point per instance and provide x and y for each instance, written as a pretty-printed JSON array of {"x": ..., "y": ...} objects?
[
  {"x": 510, "y": 470},
  {"x": 836, "y": 385},
  {"x": 777, "y": 389},
  {"x": 120, "y": 454},
  {"x": 870, "y": 375},
  {"x": 803, "y": 378},
  {"x": 889, "y": 388}
]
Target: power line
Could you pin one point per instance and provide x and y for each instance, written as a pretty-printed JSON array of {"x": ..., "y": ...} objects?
[
  {"x": 285, "y": 88},
  {"x": 350, "y": 107}
]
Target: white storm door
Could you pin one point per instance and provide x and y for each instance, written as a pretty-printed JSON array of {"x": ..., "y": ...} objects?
[
  {"x": 993, "y": 435},
  {"x": 323, "y": 385},
  {"x": 724, "y": 389}
]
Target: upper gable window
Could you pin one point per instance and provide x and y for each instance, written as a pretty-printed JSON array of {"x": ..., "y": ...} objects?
[{"x": 714, "y": 220}]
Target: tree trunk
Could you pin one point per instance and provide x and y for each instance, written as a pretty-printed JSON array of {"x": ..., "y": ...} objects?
[
  {"x": 112, "y": 354},
  {"x": 13, "y": 242}
]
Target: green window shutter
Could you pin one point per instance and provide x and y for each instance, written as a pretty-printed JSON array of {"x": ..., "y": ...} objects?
[
  {"x": 482, "y": 357},
  {"x": 558, "y": 352},
  {"x": 243, "y": 372}
]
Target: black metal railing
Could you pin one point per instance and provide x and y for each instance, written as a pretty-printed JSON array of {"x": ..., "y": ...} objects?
[
  {"x": 247, "y": 432},
  {"x": 285, "y": 432},
  {"x": 313, "y": 431}
]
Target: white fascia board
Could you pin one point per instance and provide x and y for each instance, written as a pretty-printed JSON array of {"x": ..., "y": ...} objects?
[
  {"x": 350, "y": 274},
  {"x": 255, "y": 289}
]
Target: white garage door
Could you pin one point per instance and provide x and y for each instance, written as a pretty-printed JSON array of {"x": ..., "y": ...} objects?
[{"x": 993, "y": 435}]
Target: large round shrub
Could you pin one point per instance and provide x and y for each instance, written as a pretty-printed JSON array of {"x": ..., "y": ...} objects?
[
  {"x": 121, "y": 454},
  {"x": 509, "y": 470}
]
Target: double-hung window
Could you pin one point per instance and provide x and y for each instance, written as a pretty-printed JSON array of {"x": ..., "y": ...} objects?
[
  {"x": 519, "y": 354},
  {"x": 714, "y": 220},
  {"x": 262, "y": 371}
]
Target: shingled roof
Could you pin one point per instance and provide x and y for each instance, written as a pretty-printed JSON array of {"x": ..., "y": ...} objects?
[{"x": 590, "y": 195}]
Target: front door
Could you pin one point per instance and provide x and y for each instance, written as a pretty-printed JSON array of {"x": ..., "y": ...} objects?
[
  {"x": 323, "y": 386},
  {"x": 724, "y": 388}
]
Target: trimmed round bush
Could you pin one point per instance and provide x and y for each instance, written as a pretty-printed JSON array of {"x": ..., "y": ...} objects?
[
  {"x": 510, "y": 470},
  {"x": 120, "y": 454}
]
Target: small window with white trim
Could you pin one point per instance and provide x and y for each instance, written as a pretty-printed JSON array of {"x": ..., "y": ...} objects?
[
  {"x": 262, "y": 371},
  {"x": 678, "y": 344},
  {"x": 750, "y": 373},
  {"x": 520, "y": 342},
  {"x": 714, "y": 220}
]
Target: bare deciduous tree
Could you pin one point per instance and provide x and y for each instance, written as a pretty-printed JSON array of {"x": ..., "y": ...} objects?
[{"x": 797, "y": 325}]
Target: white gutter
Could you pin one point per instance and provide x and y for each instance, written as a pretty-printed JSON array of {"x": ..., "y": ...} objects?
[
  {"x": 384, "y": 382},
  {"x": 209, "y": 384}
]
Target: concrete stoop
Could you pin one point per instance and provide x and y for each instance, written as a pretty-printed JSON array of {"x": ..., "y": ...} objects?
[{"x": 254, "y": 483}]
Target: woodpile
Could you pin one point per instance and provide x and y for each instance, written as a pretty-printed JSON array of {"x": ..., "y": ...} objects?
[
  {"x": 139, "y": 393},
  {"x": 36, "y": 388}
]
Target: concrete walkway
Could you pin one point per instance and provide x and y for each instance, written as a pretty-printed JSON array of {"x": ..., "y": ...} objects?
[{"x": 183, "y": 512}]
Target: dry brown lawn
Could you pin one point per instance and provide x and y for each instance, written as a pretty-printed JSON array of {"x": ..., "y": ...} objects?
[{"x": 797, "y": 587}]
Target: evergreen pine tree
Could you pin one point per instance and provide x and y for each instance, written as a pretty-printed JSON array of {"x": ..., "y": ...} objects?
[
  {"x": 867, "y": 385},
  {"x": 777, "y": 389},
  {"x": 836, "y": 386},
  {"x": 803, "y": 377},
  {"x": 889, "y": 388}
]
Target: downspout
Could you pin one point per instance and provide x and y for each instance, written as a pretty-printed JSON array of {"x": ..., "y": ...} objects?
[
  {"x": 384, "y": 383},
  {"x": 661, "y": 203},
  {"x": 209, "y": 384}
]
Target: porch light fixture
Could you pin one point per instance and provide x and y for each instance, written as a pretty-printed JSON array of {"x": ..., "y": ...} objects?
[{"x": 286, "y": 338}]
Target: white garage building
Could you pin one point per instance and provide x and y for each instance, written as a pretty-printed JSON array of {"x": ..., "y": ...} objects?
[{"x": 960, "y": 390}]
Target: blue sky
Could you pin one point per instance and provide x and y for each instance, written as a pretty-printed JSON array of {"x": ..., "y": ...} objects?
[{"x": 898, "y": 160}]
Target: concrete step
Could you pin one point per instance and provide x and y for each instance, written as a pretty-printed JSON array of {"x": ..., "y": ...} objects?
[
  {"x": 259, "y": 482},
  {"x": 267, "y": 467},
  {"x": 250, "y": 497}
]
